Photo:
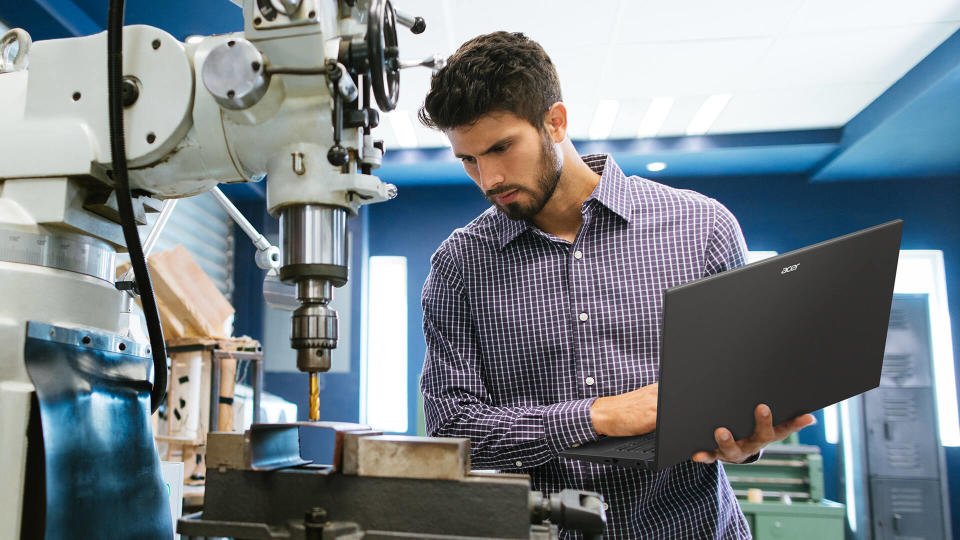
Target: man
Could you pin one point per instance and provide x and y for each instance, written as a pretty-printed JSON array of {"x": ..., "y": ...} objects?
[{"x": 542, "y": 316}]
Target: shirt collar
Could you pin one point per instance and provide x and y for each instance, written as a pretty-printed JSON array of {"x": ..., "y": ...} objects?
[{"x": 611, "y": 192}]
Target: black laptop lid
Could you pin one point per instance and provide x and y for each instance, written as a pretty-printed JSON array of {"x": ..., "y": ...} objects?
[{"x": 798, "y": 332}]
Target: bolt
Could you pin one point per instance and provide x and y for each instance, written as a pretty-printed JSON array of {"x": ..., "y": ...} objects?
[
  {"x": 129, "y": 91},
  {"x": 155, "y": 44},
  {"x": 316, "y": 515}
]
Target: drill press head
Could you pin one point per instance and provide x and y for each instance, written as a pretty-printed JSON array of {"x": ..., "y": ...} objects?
[{"x": 315, "y": 259}]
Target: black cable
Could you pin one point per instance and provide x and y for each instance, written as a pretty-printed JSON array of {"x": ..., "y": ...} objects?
[{"x": 122, "y": 184}]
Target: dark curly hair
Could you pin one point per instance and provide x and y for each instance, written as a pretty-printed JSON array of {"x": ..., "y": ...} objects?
[{"x": 501, "y": 71}]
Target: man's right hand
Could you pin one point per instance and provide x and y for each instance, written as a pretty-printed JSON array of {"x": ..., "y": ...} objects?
[{"x": 633, "y": 413}]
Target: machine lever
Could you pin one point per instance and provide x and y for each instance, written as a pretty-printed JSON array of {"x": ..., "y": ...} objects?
[
  {"x": 435, "y": 62},
  {"x": 148, "y": 245},
  {"x": 416, "y": 24},
  {"x": 268, "y": 256}
]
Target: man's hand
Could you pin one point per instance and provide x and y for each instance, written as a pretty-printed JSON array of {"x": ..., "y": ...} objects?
[
  {"x": 738, "y": 451},
  {"x": 633, "y": 413}
]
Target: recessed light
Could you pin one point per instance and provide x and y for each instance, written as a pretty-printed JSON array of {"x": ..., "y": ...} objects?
[{"x": 656, "y": 166}]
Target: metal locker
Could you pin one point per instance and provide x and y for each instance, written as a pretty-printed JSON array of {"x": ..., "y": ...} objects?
[
  {"x": 906, "y": 509},
  {"x": 899, "y": 424}
]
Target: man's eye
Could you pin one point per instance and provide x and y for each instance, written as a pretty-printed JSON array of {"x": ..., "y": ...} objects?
[{"x": 466, "y": 159}]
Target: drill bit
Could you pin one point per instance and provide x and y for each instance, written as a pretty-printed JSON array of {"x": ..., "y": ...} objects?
[{"x": 314, "y": 397}]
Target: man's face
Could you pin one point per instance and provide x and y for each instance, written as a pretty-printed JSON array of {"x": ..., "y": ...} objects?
[{"x": 516, "y": 166}]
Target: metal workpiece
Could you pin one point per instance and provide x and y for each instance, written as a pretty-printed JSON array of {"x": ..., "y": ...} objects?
[
  {"x": 272, "y": 447},
  {"x": 314, "y": 243},
  {"x": 401, "y": 456},
  {"x": 61, "y": 250},
  {"x": 234, "y": 73}
]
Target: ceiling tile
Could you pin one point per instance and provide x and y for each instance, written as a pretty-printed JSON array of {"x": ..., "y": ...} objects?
[
  {"x": 861, "y": 56},
  {"x": 685, "y": 68},
  {"x": 831, "y": 15},
  {"x": 695, "y": 20}
]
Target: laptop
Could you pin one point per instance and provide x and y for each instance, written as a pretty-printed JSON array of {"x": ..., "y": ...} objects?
[{"x": 799, "y": 331}]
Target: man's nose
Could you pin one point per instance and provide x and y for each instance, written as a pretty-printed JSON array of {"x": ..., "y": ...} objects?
[{"x": 490, "y": 176}]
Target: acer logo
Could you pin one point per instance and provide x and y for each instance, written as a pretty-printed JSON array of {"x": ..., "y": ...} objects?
[{"x": 789, "y": 269}]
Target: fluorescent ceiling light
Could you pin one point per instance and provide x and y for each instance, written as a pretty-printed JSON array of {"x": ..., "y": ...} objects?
[
  {"x": 708, "y": 113},
  {"x": 403, "y": 129},
  {"x": 656, "y": 166},
  {"x": 603, "y": 118},
  {"x": 655, "y": 117}
]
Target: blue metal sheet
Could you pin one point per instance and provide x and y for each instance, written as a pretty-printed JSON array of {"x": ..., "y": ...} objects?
[{"x": 101, "y": 469}]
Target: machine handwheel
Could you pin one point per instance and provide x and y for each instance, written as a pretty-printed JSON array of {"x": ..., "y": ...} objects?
[{"x": 383, "y": 54}]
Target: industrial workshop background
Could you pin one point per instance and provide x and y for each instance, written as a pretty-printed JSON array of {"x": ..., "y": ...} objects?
[{"x": 882, "y": 143}]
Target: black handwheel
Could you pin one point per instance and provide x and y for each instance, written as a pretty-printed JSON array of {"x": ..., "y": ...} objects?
[{"x": 383, "y": 53}]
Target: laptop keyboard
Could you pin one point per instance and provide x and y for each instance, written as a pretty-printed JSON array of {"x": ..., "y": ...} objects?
[{"x": 646, "y": 444}]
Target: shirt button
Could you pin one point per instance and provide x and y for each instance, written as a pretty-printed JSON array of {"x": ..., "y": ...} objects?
[
  {"x": 578, "y": 254},
  {"x": 519, "y": 463},
  {"x": 589, "y": 381},
  {"x": 584, "y": 316}
]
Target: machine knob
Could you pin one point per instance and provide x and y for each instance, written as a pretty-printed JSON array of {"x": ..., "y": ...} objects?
[
  {"x": 338, "y": 156},
  {"x": 234, "y": 74}
]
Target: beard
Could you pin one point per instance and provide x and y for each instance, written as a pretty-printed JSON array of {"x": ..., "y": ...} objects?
[{"x": 550, "y": 169}]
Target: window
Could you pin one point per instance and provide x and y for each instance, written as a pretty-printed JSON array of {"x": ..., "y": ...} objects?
[{"x": 383, "y": 373}]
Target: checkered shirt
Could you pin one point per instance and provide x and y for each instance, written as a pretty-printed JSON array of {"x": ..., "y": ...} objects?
[{"x": 524, "y": 330}]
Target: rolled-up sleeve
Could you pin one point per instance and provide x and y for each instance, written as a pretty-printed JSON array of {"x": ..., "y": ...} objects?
[{"x": 456, "y": 401}]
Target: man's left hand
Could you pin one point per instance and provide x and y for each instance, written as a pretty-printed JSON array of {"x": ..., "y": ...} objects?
[{"x": 732, "y": 451}]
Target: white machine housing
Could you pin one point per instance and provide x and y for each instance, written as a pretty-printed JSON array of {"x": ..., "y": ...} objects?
[{"x": 56, "y": 249}]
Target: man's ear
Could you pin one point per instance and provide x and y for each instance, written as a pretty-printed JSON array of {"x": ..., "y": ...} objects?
[{"x": 555, "y": 121}]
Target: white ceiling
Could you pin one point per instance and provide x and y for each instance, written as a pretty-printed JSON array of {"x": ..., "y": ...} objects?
[{"x": 788, "y": 64}]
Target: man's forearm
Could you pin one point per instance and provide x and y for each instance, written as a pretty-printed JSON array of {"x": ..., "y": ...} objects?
[{"x": 513, "y": 437}]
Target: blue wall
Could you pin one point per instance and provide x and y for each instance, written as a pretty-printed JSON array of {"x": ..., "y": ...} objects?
[{"x": 776, "y": 213}]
